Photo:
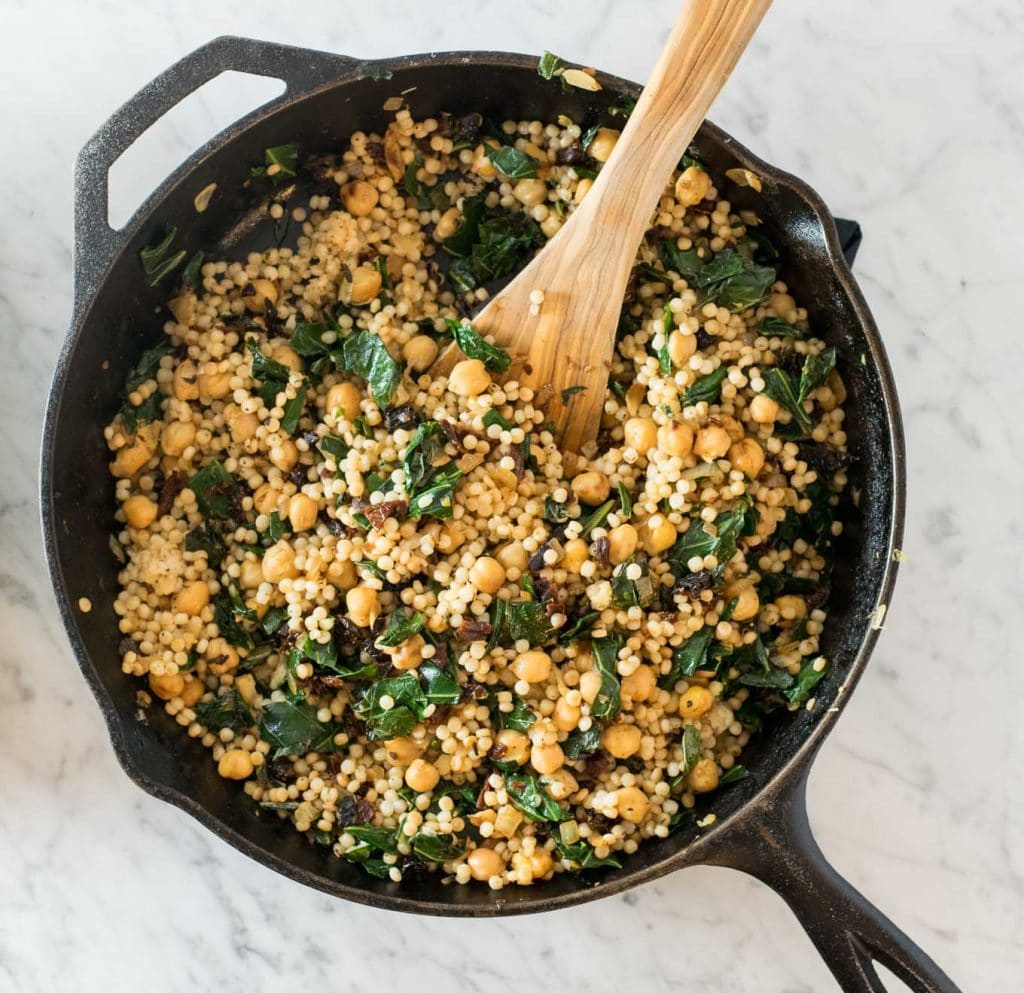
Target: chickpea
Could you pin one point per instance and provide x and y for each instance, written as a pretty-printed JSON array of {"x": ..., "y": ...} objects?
[
  {"x": 139, "y": 511},
  {"x": 514, "y": 746},
  {"x": 359, "y": 197},
  {"x": 287, "y": 356},
  {"x": 193, "y": 691},
  {"x": 284, "y": 455},
  {"x": 513, "y": 556},
  {"x": 167, "y": 687},
  {"x": 763, "y": 409},
  {"x": 574, "y": 554},
  {"x": 692, "y": 186},
  {"x": 342, "y": 574},
  {"x": 185, "y": 381},
  {"x": 747, "y": 603},
  {"x": 782, "y": 303},
  {"x": 621, "y": 740},
  {"x": 302, "y": 512},
  {"x": 590, "y": 685},
  {"x": 266, "y": 499},
  {"x": 250, "y": 574},
  {"x": 712, "y": 442},
  {"x": 695, "y": 702},
  {"x": 246, "y": 686},
  {"x": 530, "y": 192},
  {"x": 235, "y": 763},
  {"x": 421, "y": 776},
  {"x": 675, "y": 438},
  {"x": 641, "y": 434},
  {"x": 177, "y": 436},
  {"x": 132, "y": 457},
  {"x": 366, "y": 284},
  {"x": 681, "y": 347},
  {"x": 279, "y": 563},
  {"x": 191, "y": 598},
  {"x": 632, "y": 804},
  {"x": 448, "y": 224},
  {"x": 213, "y": 386},
  {"x": 469, "y": 378},
  {"x": 791, "y": 607},
  {"x": 420, "y": 352},
  {"x": 533, "y": 666},
  {"x": 603, "y": 145},
  {"x": 485, "y": 863},
  {"x": 703, "y": 776},
  {"x": 264, "y": 292},
  {"x": 659, "y": 534},
  {"x": 482, "y": 165},
  {"x": 451, "y": 537},
  {"x": 567, "y": 715},
  {"x": 403, "y": 751},
  {"x": 747, "y": 456},
  {"x": 541, "y": 863},
  {"x": 487, "y": 575},
  {"x": 242, "y": 426},
  {"x": 363, "y": 605},
  {"x": 344, "y": 397},
  {"x": 639, "y": 686},
  {"x": 547, "y": 757},
  {"x": 591, "y": 487},
  {"x": 409, "y": 654},
  {"x": 582, "y": 189},
  {"x": 622, "y": 542}
]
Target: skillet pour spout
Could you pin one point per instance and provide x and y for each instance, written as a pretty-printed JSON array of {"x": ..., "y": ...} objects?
[{"x": 760, "y": 824}]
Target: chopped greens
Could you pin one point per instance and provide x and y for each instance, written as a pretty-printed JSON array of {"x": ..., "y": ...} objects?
[
  {"x": 474, "y": 346},
  {"x": 226, "y": 711},
  {"x": 401, "y": 627},
  {"x": 291, "y": 727},
  {"x": 779, "y": 385},
  {"x": 529, "y": 797},
  {"x": 549, "y": 65},
  {"x": 688, "y": 657},
  {"x": 512, "y": 163},
  {"x": 699, "y": 541},
  {"x": 628, "y": 592},
  {"x": 706, "y": 388},
  {"x": 365, "y": 354},
  {"x": 528, "y": 620},
  {"x": 214, "y": 488},
  {"x": 156, "y": 262},
  {"x": 145, "y": 369},
  {"x": 606, "y": 658}
]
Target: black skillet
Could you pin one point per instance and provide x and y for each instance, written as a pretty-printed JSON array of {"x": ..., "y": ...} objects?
[{"x": 761, "y": 824}]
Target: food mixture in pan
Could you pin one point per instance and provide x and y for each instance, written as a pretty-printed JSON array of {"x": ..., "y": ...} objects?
[{"x": 391, "y": 609}]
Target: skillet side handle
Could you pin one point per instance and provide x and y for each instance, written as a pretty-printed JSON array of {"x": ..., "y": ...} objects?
[
  {"x": 96, "y": 242},
  {"x": 848, "y": 931}
]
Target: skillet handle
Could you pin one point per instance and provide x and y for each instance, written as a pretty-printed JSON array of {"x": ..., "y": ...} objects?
[
  {"x": 849, "y": 932},
  {"x": 96, "y": 242}
]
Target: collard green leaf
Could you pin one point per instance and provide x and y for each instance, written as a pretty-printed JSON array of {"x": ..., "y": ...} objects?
[
  {"x": 596, "y": 518},
  {"x": 228, "y": 618},
  {"x": 401, "y": 627},
  {"x": 691, "y": 748},
  {"x": 776, "y": 327},
  {"x": 494, "y": 417},
  {"x": 688, "y": 658},
  {"x": 145, "y": 369},
  {"x": 512, "y": 163},
  {"x": 213, "y": 486},
  {"x": 519, "y": 718},
  {"x": 474, "y": 346},
  {"x": 707, "y": 388},
  {"x": 733, "y": 775},
  {"x": 439, "y": 687},
  {"x": 206, "y": 538},
  {"x": 436, "y": 847},
  {"x": 580, "y": 744},
  {"x": 628, "y": 592},
  {"x": 699, "y": 541},
  {"x": 815, "y": 371},
  {"x": 365, "y": 354},
  {"x": 529, "y": 797},
  {"x": 580, "y": 628},
  {"x": 805, "y": 681},
  {"x": 157, "y": 262},
  {"x": 528, "y": 620},
  {"x": 398, "y": 720},
  {"x": 291, "y": 728},
  {"x": 779, "y": 385},
  {"x": 285, "y": 157},
  {"x": 460, "y": 244},
  {"x": 489, "y": 244},
  {"x": 549, "y": 65},
  {"x": 582, "y": 855},
  {"x": 606, "y": 657},
  {"x": 225, "y": 711}
]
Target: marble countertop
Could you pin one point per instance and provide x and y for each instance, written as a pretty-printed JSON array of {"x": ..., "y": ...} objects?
[{"x": 904, "y": 116}]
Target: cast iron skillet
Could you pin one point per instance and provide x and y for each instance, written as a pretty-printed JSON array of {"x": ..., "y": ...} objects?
[{"x": 761, "y": 826}]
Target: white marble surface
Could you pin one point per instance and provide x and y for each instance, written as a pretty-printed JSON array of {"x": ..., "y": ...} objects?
[{"x": 904, "y": 115}]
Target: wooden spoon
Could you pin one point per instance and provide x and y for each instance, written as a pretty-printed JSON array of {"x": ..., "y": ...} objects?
[{"x": 583, "y": 270}]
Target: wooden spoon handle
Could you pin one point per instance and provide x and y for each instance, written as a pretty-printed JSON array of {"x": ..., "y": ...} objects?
[{"x": 701, "y": 52}]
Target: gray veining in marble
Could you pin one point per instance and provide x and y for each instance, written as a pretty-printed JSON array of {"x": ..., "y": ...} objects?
[{"x": 907, "y": 116}]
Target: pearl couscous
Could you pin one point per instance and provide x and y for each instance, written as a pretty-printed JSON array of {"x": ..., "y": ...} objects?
[{"x": 387, "y": 603}]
